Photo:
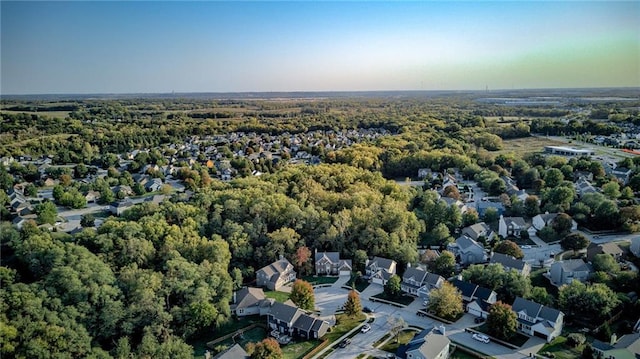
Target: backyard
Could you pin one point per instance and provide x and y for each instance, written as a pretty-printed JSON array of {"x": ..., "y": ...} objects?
[
  {"x": 561, "y": 350},
  {"x": 278, "y": 296},
  {"x": 403, "y": 338}
]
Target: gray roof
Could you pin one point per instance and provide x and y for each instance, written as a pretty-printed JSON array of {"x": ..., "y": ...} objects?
[
  {"x": 550, "y": 314},
  {"x": 274, "y": 269},
  {"x": 546, "y": 217},
  {"x": 467, "y": 289},
  {"x": 304, "y": 322},
  {"x": 333, "y": 257},
  {"x": 234, "y": 352},
  {"x": 417, "y": 274},
  {"x": 508, "y": 261},
  {"x": 247, "y": 297},
  {"x": 383, "y": 263},
  {"x": 474, "y": 231},
  {"x": 518, "y": 221},
  {"x": 283, "y": 312},
  {"x": 575, "y": 265},
  {"x": 530, "y": 308},
  {"x": 317, "y": 324},
  {"x": 433, "y": 279},
  {"x": 483, "y": 293},
  {"x": 433, "y": 345},
  {"x": 465, "y": 242}
]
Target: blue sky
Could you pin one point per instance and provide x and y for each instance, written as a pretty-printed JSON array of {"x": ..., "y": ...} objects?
[{"x": 131, "y": 47}]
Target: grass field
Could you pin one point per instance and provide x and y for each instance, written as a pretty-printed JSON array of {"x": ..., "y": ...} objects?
[
  {"x": 58, "y": 114},
  {"x": 319, "y": 280},
  {"x": 278, "y": 296},
  {"x": 525, "y": 145},
  {"x": 403, "y": 299},
  {"x": 561, "y": 350},
  {"x": 403, "y": 338},
  {"x": 298, "y": 350}
]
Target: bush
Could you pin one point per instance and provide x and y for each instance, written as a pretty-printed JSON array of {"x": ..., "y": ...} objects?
[{"x": 576, "y": 339}]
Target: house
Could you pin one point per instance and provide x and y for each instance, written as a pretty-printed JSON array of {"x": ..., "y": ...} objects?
[
  {"x": 484, "y": 298},
  {"x": 467, "y": 251},
  {"x": 454, "y": 202},
  {"x": 431, "y": 281},
  {"x": 412, "y": 280},
  {"x": 482, "y": 206},
  {"x": 233, "y": 352},
  {"x": 126, "y": 190},
  {"x": 467, "y": 290},
  {"x": 628, "y": 346},
  {"x": 154, "y": 185},
  {"x": 428, "y": 344},
  {"x": 92, "y": 196},
  {"x": 379, "y": 270},
  {"x": 583, "y": 186},
  {"x": 546, "y": 219},
  {"x": 288, "y": 319},
  {"x": 621, "y": 173},
  {"x": 605, "y": 248},
  {"x": 329, "y": 263},
  {"x": 119, "y": 207},
  {"x": 509, "y": 263},
  {"x": 564, "y": 272},
  {"x": 276, "y": 274},
  {"x": 538, "y": 320},
  {"x": 247, "y": 301},
  {"x": 567, "y": 151},
  {"x": 511, "y": 226},
  {"x": 475, "y": 231}
]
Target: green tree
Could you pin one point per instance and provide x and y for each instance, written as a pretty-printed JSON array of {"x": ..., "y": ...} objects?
[
  {"x": 611, "y": 189},
  {"x": 531, "y": 206},
  {"x": 589, "y": 301},
  {"x": 605, "y": 263},
  {"x": 553, "y": 177},
  {"x": 87, "y": 220},
  {"x": 446, "y": 302},
  {"x": 445, "y": 264},
  {"x": 47, "y": 212},
  {"x": 509, "y": 248},
  {"x": 574, "y": 241},
  {"x": 490, "y": 215},
  {"x": 266, "y": 349},
  {"x": 302, "y": 295},
  {"x": 502, "y": 321},
  {"x": 353, "y": 306},
  {"x": 540, "y": 295},
  {"x": 562, "y": 224},
  {"x": 470, "y": 217},
  {"x": 392, "y": 287}
]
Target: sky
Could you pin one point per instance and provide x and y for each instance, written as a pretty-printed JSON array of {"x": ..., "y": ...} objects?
[{"x": 89, "y": 47}]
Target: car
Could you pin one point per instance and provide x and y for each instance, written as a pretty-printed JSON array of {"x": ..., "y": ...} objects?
[
  {"x": 344, "y": 343},
  {"x": 425, "y": 303},
  {"x": 481, "y": 338},
  {"x": 365, "y": 328},
  {"x": 596, "y": 237},
  {"x": 479, "y": 320},
  {"x": 367, "y": 310},
  {"x": 420, "y": 313},
  {"x": 525, "y": 247}
]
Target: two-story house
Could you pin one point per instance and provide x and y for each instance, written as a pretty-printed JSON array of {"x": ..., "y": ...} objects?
[
  {"x": 475, "y": 231},
  {"x": 247, "y": 301},
  {"x": 511, "y": 226},
  {"x": 412, "y": 280},
  {"x": 330, "y": 263},
  {"x": 609, "y": 248},
  {"x": 564, "y": 272},
  {"x": 276, "y": 274},
  {"x": 431, "y": 281},
  {"x": 538, "y": 320},
  {"x": 509, "y": 263},
  {"x": 628, "y": 346},
  {"x": 379, "y": 270},
  {"x": 467, "y": 251},
  {"x": 288, "y": 319},
  {"x": 484, "y": 298}
]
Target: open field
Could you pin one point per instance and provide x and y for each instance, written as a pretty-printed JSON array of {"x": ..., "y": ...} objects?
[
  {"x": 520, "y": 146},
  {"x": 58, "y": 114}
]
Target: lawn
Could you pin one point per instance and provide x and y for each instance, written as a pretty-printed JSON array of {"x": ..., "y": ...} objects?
[
  {"x": 538, "y": 280},
  {"x": 460, "y": 354},
  {"x": 298, "y": 350},
  {"x": 561, "y": 350},
  {"x": 319, "y": 280},
  {"x": 403, "y": 338},
  {"x": 344, "y": 324},
  {"x": 403, "y": 299},
  {"x": 250, "y": 336},
  {"x": 278, "y": 296},
  {"x": 528, "y": 145},
  {"x": 361, "y": 284}
]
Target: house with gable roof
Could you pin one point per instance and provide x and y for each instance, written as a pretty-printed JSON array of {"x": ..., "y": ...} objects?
[
  {"x": 609, "y": 248},
  {"x": 628, "y": 346},
  {"x": 233, "y": 352},
  {"x": 538, "y": 320},
  {"x": 475, "y": 231},
  {"x": 379, "y": 270},
  {"x": 467, "y": 251},
  {"x": 247, "y": 301},
  {"x": 511, "y": 226},
  {"x": 430, "y": 343},
  {"x": 546, "y": 219},
  {"x": 288, "y": 319},
  {"x": 330, "y": 263},
  {"x": 509, "y": 263},
  {"x": 566, "y": 271},
  {"x": 431, "y": 281},
  {"x": 276, "y": 274}
]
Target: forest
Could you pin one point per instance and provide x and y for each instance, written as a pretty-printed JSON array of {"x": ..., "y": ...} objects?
[{"x": 147, "y": 283}]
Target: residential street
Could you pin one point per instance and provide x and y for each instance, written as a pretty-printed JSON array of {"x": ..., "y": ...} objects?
[{"x": 330, "y": 298}]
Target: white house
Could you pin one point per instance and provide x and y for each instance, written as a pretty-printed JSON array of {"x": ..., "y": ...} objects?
[
  {"x": 546, "y": 219},
  {"x": 511, "y": 226},
  {"x": 538, "y": 320},
  {"x": 379, "y": 270}
]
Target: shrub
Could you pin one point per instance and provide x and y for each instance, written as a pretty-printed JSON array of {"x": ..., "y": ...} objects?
[{"x": 576, "y": 339}]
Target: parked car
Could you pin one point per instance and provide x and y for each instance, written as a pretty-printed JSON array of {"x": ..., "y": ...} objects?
[
  {"x": 365, "y": 328},
  {"x": 478, "y": 320},
  {"x": 481, "y": 338},
  {"x": 344, "y": 343},
  {"x": 525, "y": 246},
  {"x": 420, "y": 314},
  {"x": 367, "y": 310}
]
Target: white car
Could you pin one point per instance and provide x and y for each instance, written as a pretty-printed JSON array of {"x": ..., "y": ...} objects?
[
  {"x": 525, "y": 247},
  {"x": 365, "y": 328},
  {"x": 481, "y": 338}
]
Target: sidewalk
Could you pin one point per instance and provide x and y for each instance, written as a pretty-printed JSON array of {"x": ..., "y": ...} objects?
[{"x": 337, "y": 341}]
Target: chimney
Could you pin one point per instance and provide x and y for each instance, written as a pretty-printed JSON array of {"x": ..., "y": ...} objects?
[
  {"x": 280, "y": 257},
  {"x": 234, "y": 297},
  {"x": 614, "y": 339}
]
